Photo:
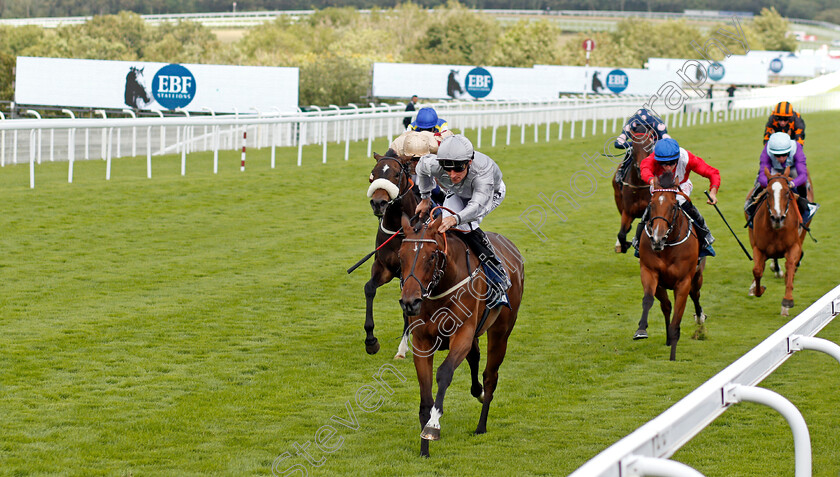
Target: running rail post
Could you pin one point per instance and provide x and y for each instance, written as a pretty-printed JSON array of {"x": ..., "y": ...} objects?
[
  {"x": 799, "y": 342},
  {"x": 801, "y": 438},
  {"x": 642, "y": 466}
]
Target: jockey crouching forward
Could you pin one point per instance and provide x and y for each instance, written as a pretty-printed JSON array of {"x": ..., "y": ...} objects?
[
  {"x": 782, "y": 152},
  {"x": 641, "y": 124},
  {"x": 668, "y": 156},
  {"x": 474, "y": 187}
]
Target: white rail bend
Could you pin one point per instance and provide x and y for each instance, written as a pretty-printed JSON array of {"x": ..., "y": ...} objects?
[{"x": 646, "y": 450}]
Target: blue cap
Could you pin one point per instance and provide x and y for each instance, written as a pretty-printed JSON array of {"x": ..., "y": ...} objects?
[
  {"x": 426, "y": 118},
  {"x": 666, "y": 150}
]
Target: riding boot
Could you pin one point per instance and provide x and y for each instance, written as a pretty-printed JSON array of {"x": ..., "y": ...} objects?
[
  {"x": 624, "y": 167},
  {"x": 497, "y": 277},
  {"x": 639, "y": 228},
  {"x": 806, "y": 209},
  {"x": 704, "y": 235}
]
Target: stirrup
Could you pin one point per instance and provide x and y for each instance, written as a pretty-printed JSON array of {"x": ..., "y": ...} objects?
[
  {"x": 501, "y": 301},
  {"x": 813, "y": 207}
]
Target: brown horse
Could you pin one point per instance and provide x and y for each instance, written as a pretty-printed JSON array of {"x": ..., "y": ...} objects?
[
  {"x": 632, "y": 194},
  {"x": 775, "y": 235},
  {"x": 668, "y": 252},
  {"x": 390, "y": 197},
  {"x": 809, "y": 194},
  {"x": 444, "y": 289}
]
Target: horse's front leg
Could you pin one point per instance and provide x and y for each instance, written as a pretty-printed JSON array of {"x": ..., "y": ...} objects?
[
  {"x": 423, "y": 364},
  {"x": 474, "y": 358},
  {"x": 403, "y": 347},
  {"x": 759, "y": 260},
  {"x": 379, "y": 275},
  {"x": 459, "y": 346},
  {"x": 680, "y": 299},
  {"x": 665, "y": 305},
  {"x": 649, "y": 284},
  {"x": 621, "y": 245},
  {"x": 791, "y": 258}
]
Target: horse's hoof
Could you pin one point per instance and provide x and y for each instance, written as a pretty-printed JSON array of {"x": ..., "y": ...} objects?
[
  {"x": 640, "y": 335},
  {"x": 700, "y": 319},
  {"x": 699, "y": 333},
  {"x": 480, "y": 397},
  {"x": 618, "y": 249},
  {"x": 785, "y": 311},
  {"x": 479, "y": 432},
  {"x": 372, "y": 347},
  {"x": 757, "y": 292},
  {"x": 430, "y": 434},
  {"x": 399, "y": 356}
]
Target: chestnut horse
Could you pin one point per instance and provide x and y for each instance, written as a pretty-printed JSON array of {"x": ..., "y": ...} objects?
[
  {"x": 390, "y": 197},
  {"x": 632, "y": 195},
  {"x": 668, "y": 252},
  {"x": 444, "y": 290},
  {"x": 775, "y": 235}
]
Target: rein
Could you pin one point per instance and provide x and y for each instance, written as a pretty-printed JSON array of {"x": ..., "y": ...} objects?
[{"x": 440, "y": 262}]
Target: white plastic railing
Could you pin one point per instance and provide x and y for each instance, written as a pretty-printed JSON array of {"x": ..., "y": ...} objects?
[
  {"x": 653, "y": 443},
  {"x": 567, "y": 117}
]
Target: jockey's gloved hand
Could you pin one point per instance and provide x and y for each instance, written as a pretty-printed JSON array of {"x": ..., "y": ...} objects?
[{"x": 423, "y": 208}]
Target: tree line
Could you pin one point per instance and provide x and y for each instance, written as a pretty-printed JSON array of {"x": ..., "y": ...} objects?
[
  {"x": 825, "y": 10},
  {"x": 335, "y": 48}
]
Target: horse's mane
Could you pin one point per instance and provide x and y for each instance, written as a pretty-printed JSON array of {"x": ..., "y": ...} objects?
[{"x": 667, "y": 181}]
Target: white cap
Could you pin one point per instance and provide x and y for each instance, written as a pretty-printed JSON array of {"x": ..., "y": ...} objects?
[{"x": 456, "y": 148}]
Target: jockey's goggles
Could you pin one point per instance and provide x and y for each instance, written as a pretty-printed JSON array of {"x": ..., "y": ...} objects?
[
  {"x": 454, "y": 166},
  {"x": 669, "y": 163}
]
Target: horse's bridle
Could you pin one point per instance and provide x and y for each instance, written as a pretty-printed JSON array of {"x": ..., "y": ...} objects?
[
  {"x": 440, "y": 264},
  {"x": 634, "y": 165},
  {"x": 671, "y": 223},
  {"x": 403, "y": 173},
  {"x": 789, "y": 194}
]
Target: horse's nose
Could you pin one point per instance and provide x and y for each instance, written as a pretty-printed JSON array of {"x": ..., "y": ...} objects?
[
  {"x": 411, "y": 307},
  {"x": 378, "y": 206}
]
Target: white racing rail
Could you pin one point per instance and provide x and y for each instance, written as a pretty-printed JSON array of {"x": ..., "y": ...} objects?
[
  {"x": 72, "y": 139},
  {"x": 646, "y": 451}
]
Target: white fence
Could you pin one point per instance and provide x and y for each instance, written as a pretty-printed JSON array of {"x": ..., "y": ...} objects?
[
  {"x": 35, "y": 140},
  {"x": 646, "y": 451}
]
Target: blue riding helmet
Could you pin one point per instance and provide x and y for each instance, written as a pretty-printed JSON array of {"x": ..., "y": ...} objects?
[
  {"x": 427, "y": 118},
  {"x": 666, "y": 150}
]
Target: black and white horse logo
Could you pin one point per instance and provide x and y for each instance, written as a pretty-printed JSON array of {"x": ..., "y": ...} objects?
[
  {"x": 596, "y": 83},
  {"x": 136, "y": 94},
  {"x": 453, "y": 87}
]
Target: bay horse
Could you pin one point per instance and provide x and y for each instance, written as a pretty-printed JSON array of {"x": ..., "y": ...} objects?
[
  {"x": 775, "y": 235},
  {"x": 391, "y": 196},
  {"x": 444, "y": 290},
  {"x": 632, "y": 194},
  {"x": 668, "y": 252}
]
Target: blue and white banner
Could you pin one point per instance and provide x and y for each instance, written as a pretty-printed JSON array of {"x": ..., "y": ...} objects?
[
  {"x": 154, "y": 86},
  {"x": 402, "y": 80}
]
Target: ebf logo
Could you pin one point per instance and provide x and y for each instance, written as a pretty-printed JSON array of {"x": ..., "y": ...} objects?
[
  {"x": 173, "y": 86},
  {"x": 479, "y": 82},
  {"x": 776, "y": 65},
  {"x": 617, "y": 81},
  {"x": 716, "y": 71}
]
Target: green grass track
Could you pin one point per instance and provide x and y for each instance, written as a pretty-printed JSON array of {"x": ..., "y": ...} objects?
[{"x": 205, "y": 325}]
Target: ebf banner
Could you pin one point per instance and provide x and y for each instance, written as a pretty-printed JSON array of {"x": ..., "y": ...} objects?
[{"x": 154, "y": 86}]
